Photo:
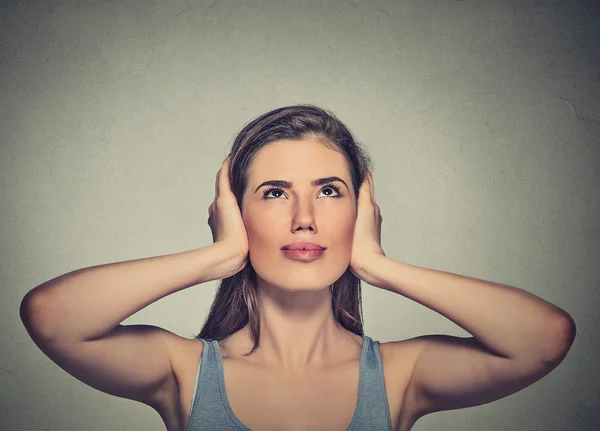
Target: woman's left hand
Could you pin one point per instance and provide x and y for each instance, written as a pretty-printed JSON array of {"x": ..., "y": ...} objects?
[{"x": 366, "y": 246}]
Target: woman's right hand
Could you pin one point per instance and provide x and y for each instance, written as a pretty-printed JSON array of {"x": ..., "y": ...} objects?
[{"x": 225, "y": 219}]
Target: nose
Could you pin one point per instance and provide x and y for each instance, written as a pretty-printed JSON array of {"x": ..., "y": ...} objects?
[{"x": 303, "y": 216}]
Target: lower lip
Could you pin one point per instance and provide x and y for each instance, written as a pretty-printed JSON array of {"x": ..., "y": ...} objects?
[{"x": 304, "y": 255}]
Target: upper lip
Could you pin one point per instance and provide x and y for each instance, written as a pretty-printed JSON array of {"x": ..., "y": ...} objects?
[{"x": 302, "y": 246}]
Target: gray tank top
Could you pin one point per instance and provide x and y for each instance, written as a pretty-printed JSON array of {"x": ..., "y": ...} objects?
[{"x": 211, "y": 409}]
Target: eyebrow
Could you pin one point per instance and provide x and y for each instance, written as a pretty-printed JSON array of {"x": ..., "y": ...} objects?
[{"x": 288, "y": 185}]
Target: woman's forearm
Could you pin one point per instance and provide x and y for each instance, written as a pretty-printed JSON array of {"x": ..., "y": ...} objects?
[
  {"x": 89, "y": 302},
  {"x": 508, "y": 321}
]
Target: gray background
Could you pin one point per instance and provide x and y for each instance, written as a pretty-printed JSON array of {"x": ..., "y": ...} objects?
[{"x": 482, "y": 117}]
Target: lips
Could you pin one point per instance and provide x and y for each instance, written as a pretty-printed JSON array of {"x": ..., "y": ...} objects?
[
  {"x": 302, "y": 246},
  {"x": 303, "y": 255}
]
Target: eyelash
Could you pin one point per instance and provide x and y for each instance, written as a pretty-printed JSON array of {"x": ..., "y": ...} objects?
[{"x": 331, "y": 185}]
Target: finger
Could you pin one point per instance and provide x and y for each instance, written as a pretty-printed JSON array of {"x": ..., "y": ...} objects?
[
  {"x": 223, "y": 179},
  {"x": 364, "y": 191},
  {"x": 218, "y": 176},
  {"x": 372, "y": 187}
]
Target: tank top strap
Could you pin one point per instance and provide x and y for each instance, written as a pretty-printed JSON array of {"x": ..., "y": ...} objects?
[
  {"x": 208, "y": 410},
  {"x": 374, "y": 409}
]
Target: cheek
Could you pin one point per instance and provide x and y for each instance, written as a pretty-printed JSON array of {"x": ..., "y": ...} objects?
[
  {"x": 260, "y": 234},
  {"x": 265, "y": 230},
  {"x": 345, "y": 242},
  {"x": 345, "y": 223}
]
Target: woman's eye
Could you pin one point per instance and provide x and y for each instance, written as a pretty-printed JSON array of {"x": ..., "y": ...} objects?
[
  {"x": 270, "y": 191},
  {"x": 331, "y": 188}
]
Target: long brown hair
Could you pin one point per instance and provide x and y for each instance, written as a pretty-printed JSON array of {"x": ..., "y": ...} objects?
[{"x": 237, "y": 302}]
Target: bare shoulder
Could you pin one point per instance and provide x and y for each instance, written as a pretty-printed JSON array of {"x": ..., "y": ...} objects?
[
  {"x": 184, "y": 354},
  {"x": 401, "y": 355},
  {"x": 399, "y": 358},
  {"x": 182, "y": 349},
  {"x": 173, "y": 403}
]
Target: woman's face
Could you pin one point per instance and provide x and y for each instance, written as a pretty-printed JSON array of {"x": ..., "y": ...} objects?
[{"x": 303, "y": 212}]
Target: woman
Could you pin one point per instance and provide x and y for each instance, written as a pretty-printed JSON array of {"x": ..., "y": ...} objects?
[{"x": 283, "y": 346}]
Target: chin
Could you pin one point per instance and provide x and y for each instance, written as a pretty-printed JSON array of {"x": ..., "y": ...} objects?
[{"x": 298, "y": 280}]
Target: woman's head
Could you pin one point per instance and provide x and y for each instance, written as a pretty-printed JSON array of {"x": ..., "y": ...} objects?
[
  {"x": 276, "y": 214},
  {"x": 295, "y": 123},
  {"x": 297, "y": 144}
]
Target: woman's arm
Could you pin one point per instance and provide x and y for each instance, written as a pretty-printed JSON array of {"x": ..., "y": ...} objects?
[
  {"x": 518, "y": 337},
  {"x": 87, "y": 303},
  {"x": 508, "y": 321},
  {"x": 75, "y": 320}
]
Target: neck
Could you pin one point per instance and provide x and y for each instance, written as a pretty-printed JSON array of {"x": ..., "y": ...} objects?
[{"x": 298, "y": 330}]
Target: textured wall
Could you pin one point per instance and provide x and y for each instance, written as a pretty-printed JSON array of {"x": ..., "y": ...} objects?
[{"x": 482, "y": 117}]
